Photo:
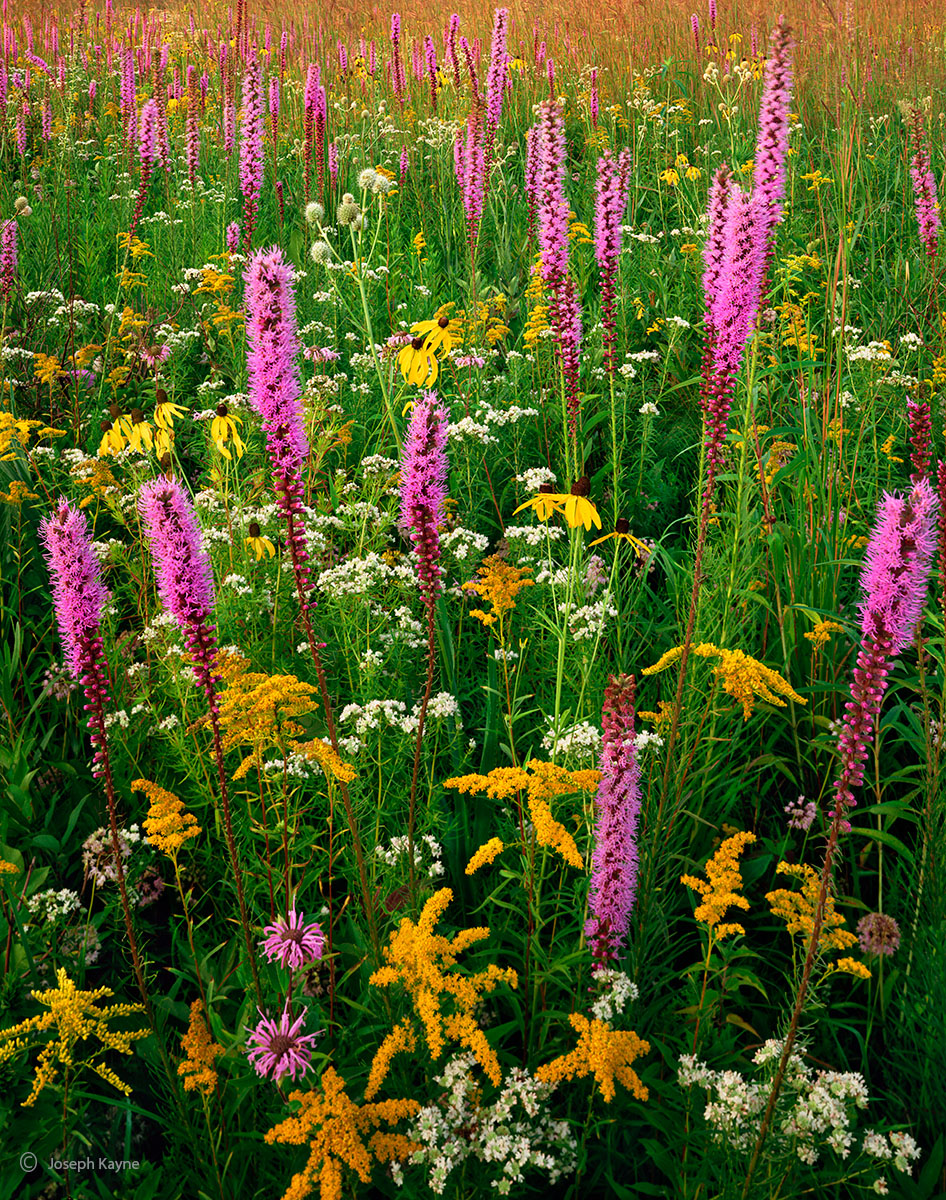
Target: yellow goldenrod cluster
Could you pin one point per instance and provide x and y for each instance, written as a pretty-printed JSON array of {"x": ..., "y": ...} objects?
[
  {"x": 134, "y": 246},
  {"x": 486, "y": 854},
  {"x": 797, "y": 909},
  {"x": 821, "y": 634},
  {"x": 258, "y": 709},
  {"x": 198, "y": 1067},
  {"x": 76, "y": 1018},
  {"x": 332, "y": 766},
  {"x": 603, "y": 1052},
  {"x": 334, "y": 1128},
  {"x": 400, "y": 1040},
  {"x": 743, "y": 677},
  {"x": 8, "y": 868},
  {"x": 537, "y": 326},
  {"x": 541, "y": 782},
  {"x": 499, "y": 584},
  {"x": 421, "y": 961},
  {"x": 15, "y": 433},
  {"x": 721, "y": 890},
  {"x": 168, "y": 824},
  {"x": 850, "y": 966},
  {"x": 19, "y": 491},
  {"x": 662, "y": 718}
]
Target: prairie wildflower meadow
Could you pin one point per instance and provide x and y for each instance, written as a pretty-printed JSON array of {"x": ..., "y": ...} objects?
[{"x": 472, "y": 585}]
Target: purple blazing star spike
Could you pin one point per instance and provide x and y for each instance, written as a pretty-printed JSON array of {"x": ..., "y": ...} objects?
[
  {"x": 292, "y": 942},
  {"x": 771, "y": 152},
  {"x": 8, "y": 235},
  {"x": 251, "y": 149},
  {"x": 614, "y": 866},
  {"x": 79, "y": 595},
  {"x": 278, "y": 1048},
  {"x": 424, "y": 489},
  {"x": 182, "y": 570},
  {"x": 894, "y": 581}
]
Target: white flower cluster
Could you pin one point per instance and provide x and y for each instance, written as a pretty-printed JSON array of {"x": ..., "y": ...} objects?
[
  {"x": 98, "y": 857},
  {"x": 589, "y": 621},
  {"x": 399, "y": 847},
  {"x": 394, "y": 714},
  {"x": 815, "y": 1112},
  {"x": 462, "y": 542},
  {"x": 52, "y": 905},
  {"x": 515, "y": 1132},
  {"x": 359, "y": 576},
  {"x": 534, "y": 477},
  {"x": 617, "y": 991},
  {"x": 582, "y": 741},
  {"x": 873, "y": 352}
]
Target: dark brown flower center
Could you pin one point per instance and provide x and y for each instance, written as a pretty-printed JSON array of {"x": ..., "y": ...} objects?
[
  {"x": 417, "y": 343},
  {"x": 254, "y": 532},
  {"x": 581, "y": 487},
  {"x": 444, "y": 322},
  {"x": 622, "y": 526},
  {"x": 280, "y": 1044},
  {"x": 222, "y": 410}
]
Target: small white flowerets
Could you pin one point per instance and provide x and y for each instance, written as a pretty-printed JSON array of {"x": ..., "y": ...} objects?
[
  {"x": 816, "y": 1111},
  {"x": 515, "y": 1132},
  {"x": 399, "y": 847}
]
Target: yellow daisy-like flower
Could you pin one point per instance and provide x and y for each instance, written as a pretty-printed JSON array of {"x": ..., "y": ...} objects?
[
  {"x": 140, "y": 436},
  {"x": 578, "y": 508},
  {"x": 622, "y": 533},
  {"x": 223, "y": 428},
  {"x": 166, "y": 413},
  {"x": 436, "y": 334},
  {"x": 257, "y": 543},
  {"x": 670, "y": 177},
  {"x": 419, "y": 359},
  {"x": 544, "y": 503}
]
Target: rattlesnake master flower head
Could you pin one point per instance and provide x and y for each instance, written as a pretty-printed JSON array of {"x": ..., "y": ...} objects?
[
  {"x": 424, "y": 489},
  {"x": 897, "y": 565},
  {"x": 79, "y": 595},
  {"x": 878, "y": 934}
]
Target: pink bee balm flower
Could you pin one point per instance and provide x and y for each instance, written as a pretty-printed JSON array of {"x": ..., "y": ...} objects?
[
  {"x": 292, "y": 942},
  {"x": 278, "y": 1048}
]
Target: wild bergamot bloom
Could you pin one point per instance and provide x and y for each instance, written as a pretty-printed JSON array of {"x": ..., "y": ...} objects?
[
  {"x": 223, "y": 428},
  {"x": 75, "y": 1018}
]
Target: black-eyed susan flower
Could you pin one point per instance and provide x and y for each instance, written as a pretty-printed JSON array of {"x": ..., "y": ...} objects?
[
  {"x": 223, "y": 428},
  {"x": 259, "y": 544},
  {"x": 140, "y": 435},
  {"x": 419, "y": 359},
  {"x": 545, "y": 502},
  {"x": 166, "y": 413},
  {"x": 622, "y": 533},
  {"x": 578, "y": 508},
  {"x": 112, "y": 440}
]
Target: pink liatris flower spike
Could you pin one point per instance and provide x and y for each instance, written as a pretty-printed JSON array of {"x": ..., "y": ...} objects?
[
  {"x": 275, "y": 390},
  {"x": 277, "y": 1048},
  {"x": 424, "y": 489},
  {"x": 292, "y": 942},
  {"x": 251, "y": 150},
  {"x": 8, "y": 236},
  {"x": 617, "y": 804},
  {"x": 183, "y": 572},
  {"x": 894, "y": 582},
  {"x": 924, "y": 185},
  {"x": 79, "y": 596},
  {"x": 921, "y": 438}
]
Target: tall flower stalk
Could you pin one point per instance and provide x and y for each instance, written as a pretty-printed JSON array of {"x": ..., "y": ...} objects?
[
  {"x": 614, "y": 864},
  {"x": 185, "y": 584},
  {"x": 274, "y": 390},
  {"x": 79, "y": 596},
  {"x": 423, "y": 492},
  {"x": 925, "y": 198},
  {"x": 564, "y": 306},
  {"x": 738, "y": 245},
  {"x": 251, "y": 149},
  {"x": 894, "y": 582},
  {"x": 147, "y": 152}
]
